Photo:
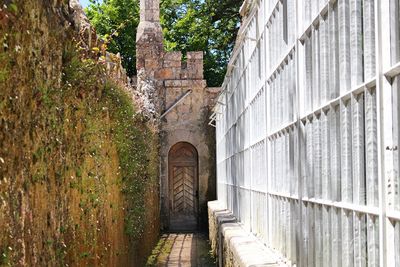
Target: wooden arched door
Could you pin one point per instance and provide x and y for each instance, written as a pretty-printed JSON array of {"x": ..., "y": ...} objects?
[{"x": 183, "y": 187}]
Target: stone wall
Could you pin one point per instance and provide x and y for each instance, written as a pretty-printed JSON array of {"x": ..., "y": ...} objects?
[
  {"x": 187, "y": 122},
  {"x": 76, "y": 159},
  {"x": 172, "y": 77}
]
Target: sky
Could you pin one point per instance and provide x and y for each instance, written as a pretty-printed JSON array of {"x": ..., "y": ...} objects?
[{"x": 85, "y": 3}]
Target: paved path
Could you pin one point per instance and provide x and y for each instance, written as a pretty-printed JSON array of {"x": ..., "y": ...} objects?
[{"x": 182, "y": 250}]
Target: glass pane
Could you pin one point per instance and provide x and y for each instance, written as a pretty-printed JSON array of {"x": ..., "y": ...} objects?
[{"x": 397, "y": 243}]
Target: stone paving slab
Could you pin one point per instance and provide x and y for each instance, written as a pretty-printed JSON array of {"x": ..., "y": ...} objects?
[{"x": 182, "y": 250}]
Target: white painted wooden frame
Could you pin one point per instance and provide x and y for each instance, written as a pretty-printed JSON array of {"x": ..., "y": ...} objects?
[{"x": 308, "y": 149}]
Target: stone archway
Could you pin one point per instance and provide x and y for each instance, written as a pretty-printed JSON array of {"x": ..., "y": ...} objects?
[{"x": 183, "y": 187}]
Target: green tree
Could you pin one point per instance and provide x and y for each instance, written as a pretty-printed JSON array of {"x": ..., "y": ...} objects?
[
  {"x": 188, "y": 25},
  {"x": 205, "y": 25},
  {"x": 116, "y": 21}
]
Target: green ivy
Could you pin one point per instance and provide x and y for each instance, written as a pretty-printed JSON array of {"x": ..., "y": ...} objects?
[
  {"x": 134, "y": 141},
  {"x": 4, "y": 256},
  {"x": 134, "y": 145}
]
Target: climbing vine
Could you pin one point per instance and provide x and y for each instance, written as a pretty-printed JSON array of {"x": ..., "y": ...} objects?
[
  {"x": 135, "y": 141},
  {"x": 136, "y": 147}
]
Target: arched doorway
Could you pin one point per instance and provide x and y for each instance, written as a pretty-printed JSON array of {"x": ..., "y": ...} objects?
[{"x": 183, "y": 187}]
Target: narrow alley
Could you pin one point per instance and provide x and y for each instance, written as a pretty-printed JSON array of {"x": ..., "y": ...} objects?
[{"x": 200, "y": 133}]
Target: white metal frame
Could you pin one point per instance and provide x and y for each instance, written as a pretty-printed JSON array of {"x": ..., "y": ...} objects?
[{"x": 314, "y": 173}]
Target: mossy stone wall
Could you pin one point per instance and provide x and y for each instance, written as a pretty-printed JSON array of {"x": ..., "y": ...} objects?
[{"x": 78, "y": 164}]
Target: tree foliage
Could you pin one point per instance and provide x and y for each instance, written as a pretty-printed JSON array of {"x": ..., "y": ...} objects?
[
  {"x": 188, "y": 25},
  {"x": 116, "y": 22}
]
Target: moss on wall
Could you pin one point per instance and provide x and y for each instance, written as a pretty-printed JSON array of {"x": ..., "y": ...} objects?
[{"x": 78, "y": 165}]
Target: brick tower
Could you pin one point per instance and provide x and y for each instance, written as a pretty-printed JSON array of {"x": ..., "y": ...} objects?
[
  {"x": 187, "y": 179},
  {"x": 149, "y": 38}
]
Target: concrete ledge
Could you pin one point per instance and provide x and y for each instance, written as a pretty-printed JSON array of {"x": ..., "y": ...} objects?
[{"x": 233, "y": 245}]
